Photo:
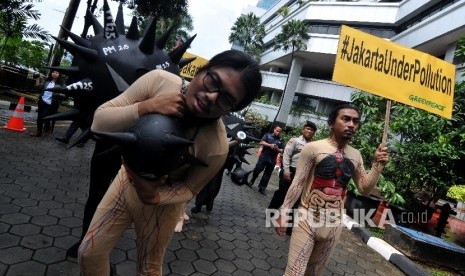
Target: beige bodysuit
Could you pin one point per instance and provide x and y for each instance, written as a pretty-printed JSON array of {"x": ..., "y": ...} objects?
[
  {"x": 321, "y": 179},
  {"x": 120, "y": 207}
]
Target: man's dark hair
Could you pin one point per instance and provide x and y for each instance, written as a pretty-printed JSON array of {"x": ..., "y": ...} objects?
[
  {"x": 311, "y": 125},
  {"x": 250, "y": 72},
  {"x": 333, "y": 114}
]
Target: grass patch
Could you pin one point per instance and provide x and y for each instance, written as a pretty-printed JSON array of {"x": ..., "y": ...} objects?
[{"x": 376, "y": 232}]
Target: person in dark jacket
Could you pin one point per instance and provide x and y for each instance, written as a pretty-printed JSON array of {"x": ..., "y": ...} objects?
[{"x": 48, "y": 104}]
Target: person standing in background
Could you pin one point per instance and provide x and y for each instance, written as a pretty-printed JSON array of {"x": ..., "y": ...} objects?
[
  {"x": 272, "y": 145},
  {"x": 48, "y": 103},
  {"x": 289, "y": 163}
]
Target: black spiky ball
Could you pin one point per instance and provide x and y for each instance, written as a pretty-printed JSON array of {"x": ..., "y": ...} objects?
[
  {"x": 160, "y": 147},
  {"x": 106, "y": 64}
]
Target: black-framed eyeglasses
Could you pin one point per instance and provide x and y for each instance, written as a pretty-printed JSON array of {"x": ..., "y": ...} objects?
[{"x": 225, "y": 101}]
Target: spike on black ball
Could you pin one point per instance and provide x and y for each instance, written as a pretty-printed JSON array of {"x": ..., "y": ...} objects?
[
  {"x": 104, "y": 65},
  {"x": 154, "y": 146}
]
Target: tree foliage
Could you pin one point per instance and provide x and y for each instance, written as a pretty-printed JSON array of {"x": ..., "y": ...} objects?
[
  {"x": 166, "y": 13},
  {"x": 25, "y": 53},
  {"x": 293, "y": 36},
  {"x": 158, "y": 9},
  {"x": 427, "y": 151},
  {"x": 249, "y": 33},
  {"x": 13, "y": 22}
]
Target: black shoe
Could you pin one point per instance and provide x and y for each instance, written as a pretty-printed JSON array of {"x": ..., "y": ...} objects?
[
  {"x": 73, "y": 250},
  {"x": 250, "y": 184},
  {"x": 210, "y": 206},
  {"x": 262, "y": 191},
  {"x": 62, "y": 140},
  {"x": 196, "y": 209}
]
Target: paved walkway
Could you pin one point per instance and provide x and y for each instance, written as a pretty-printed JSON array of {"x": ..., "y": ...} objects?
[{"x": 43, "y": 190}]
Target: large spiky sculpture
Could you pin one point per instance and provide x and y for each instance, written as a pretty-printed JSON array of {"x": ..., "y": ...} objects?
[{"x": 106, "y": 64}]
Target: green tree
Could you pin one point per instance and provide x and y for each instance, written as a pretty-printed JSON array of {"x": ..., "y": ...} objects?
[
  {"x": 293, "y": 35},
  {"x": 428, "y": 151},
  {"x": 248, "y": 33},
  {"x": 166, "y": 13},
  {"x": 25, "y": 53},
  {"x": 13, "y": 22},
  {"x": 284, "y": 11}
]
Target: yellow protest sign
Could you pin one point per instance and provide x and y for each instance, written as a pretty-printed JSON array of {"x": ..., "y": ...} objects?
[
  {"x": 189, "y": 70},
  {"x": 387, "y": 69}
]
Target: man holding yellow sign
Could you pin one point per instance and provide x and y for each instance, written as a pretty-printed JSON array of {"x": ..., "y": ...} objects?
[{"x": 395, "y": 72}]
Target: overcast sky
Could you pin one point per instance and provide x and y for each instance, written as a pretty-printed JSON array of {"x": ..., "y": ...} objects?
[{"x": 213, "y": 20}]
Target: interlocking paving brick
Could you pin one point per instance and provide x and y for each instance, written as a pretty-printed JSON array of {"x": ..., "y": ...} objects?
[
  {"x": 4, "y": 200},
  {"x": 49, "y": 255},
  {"x": 14, "y": 255},
  {"x": 37, "y": 241},
  {"x": 190, "y": 244},
  {"x": 51, "y": 204},
  {"x": 207, "y": 254},
  {"x": 34, "y": 211},
  {"x": 260, "y": 263},
  {"x": 17, "y": 194},
  {"x": 181, "y": 267},
  {"x": 243, "y": 264},
  {"x": 9, "y": 209},
  {"x": 68, "y": 268},
  {"x": 3, "y": 269},
  {"x": 9, "y": 240},
  {"x": 241, "y": 272},
  {"x": 117, "y": 256},
  {"x": 41, "y": 196},
  {"x": 56, "y": 230},
  {"x": 16, "y": 218},
  {"x": 65, "y": 242},
  {"x": 225, "y": 266},
  {"x": 226, "y": 254},
  {"x": 204, "y": 266},
  {"x": 4, "y": 227},
  {"x": 243, "y": 253},
  {"x": 70, "y": 222},
  {"x": 25, "y": 229},
  {"x": 44, "y": 220},
  {"x": 62, "y": 213},
  {"x": 29, "y": 268},
  {"x": 226, "y": 244},
  {"x": 186, "y": 254},
  {"x": 230, "y": 240}
]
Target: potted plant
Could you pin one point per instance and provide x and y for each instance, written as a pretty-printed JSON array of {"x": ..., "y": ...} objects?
[{"x": 457, "y": 192}]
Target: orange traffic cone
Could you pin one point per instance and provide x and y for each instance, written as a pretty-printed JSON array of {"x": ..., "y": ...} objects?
[{"x": 16, "y": 122}]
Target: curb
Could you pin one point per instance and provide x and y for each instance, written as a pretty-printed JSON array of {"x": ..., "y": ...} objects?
[
  {"x": 388, "y": 252},
  {"x": 8, "y": 105}
]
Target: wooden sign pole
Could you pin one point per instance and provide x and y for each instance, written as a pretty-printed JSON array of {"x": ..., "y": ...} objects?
[{"x": 386, "y": 122}]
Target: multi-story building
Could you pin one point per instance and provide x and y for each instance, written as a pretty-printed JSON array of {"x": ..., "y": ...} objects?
[
  {"x": 266, "y": 4},
  {"x": 430, "y": 26}
]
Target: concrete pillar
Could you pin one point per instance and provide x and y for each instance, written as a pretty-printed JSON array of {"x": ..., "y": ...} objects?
[
  {"x": 275, "y": 97},
  {"x": 289, "y": 92},
  {"x": 450, "y": 52}
]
